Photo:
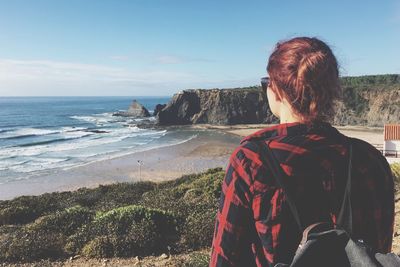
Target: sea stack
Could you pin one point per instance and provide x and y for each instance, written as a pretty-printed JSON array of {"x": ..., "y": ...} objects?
[{"x": 135, "y": 110}]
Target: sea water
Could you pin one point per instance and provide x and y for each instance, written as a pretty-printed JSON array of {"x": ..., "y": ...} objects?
[{"x": 41, "y": 134}]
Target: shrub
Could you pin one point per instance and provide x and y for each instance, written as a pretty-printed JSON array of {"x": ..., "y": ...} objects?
[
  {"x": 209, "y": 184},
  {"x": 99, "y": 247},
  {"x": 198, "y": 230},
  {"x": 194, "y": 199},
  {"x": 122, "y": 194},
  {"x": 181, "y": 196},
  {"x": 396, "y": 175},
  {"x": 65, "y": 222},
  {"x": 26, "y": 245},
  {"x": 198, "y": 259},
  {"x": 77, "y": 241},
  {"x": 177, "y": 214},
  {"x": 25, "y": 209},
  {"x": 44, "y": 238},
  {"x": 131, "y": 230},
  {"x": 17, "y": 215},
  {"x": 166, "y": 200}
]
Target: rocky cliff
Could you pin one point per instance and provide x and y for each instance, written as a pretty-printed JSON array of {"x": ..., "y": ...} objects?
[
  {"x": 376, "y": 108},
  {"x": 216, "y": 106},
  {"x": 372, "y": 100},
  {"x": 367, "y": 100}
]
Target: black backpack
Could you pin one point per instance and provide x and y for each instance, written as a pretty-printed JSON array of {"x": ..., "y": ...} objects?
[{"x": 326, "y": 244}]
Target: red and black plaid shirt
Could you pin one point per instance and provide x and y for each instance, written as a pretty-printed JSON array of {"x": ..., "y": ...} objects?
[{"x": 254, "y": 225}]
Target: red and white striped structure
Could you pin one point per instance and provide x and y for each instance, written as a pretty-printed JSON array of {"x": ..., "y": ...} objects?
[{"x": 391, "y": 146}]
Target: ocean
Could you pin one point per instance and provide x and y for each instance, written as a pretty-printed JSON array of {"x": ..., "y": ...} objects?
[{"x": 41, "y": 134}]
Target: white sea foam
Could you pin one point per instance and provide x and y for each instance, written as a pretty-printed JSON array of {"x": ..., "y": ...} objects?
[
  {"x": 70, "y": 146},
  {"x": 85, "y": 144},
  {"x": 26, "y": 132},
  {"x": 99, "y": 119},
  {"x": 108, "y": 118},
  {"x": 38, "y": 164},
  {"x": 39, "y": 132}
]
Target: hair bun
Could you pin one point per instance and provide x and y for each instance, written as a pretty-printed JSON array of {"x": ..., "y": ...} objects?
[{"x": 305, "y": 72}]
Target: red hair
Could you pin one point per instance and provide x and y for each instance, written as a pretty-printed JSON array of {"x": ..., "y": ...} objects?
[{"x": 304, "y": 71}]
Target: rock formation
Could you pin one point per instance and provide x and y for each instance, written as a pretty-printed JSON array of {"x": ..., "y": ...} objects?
[
  {"x": 158, "y": 108},
  {"x": 216, "y": 106},
  {"x": 135, "y": 110}
]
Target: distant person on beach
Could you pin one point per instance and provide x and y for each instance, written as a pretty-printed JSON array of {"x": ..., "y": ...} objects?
[{"x": 254, "y": 224}]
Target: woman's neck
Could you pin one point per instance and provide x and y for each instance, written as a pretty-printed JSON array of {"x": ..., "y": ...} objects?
[{"x": 286, "y": 115}]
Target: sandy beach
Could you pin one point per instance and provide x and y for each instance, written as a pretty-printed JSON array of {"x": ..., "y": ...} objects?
[
  {"x": 372, "y": 135},
  {"x": 211, "y": 148}
]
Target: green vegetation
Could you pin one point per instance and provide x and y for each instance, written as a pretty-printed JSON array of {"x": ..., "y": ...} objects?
[
  {"x": 358, "y": 83},
  {"x": 248, "y": 88},
  {"x": 125, "y": 231},
  {"x": 357, "y": 90},
  {"x": 119, "y": 220},
  {"x": 385, "y": 81},
  {"x": 198, "y": 259},
  {"x": 396, "y": 175}
]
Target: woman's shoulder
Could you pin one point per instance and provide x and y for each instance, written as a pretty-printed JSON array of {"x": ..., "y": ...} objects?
[
  {"x": 363, "y": 148},
  {"x": 369, "y": 157},
  {"x": 247, "y": 151}
]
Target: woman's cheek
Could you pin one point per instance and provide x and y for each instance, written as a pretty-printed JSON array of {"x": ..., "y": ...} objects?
[{"x": 273, "y": 102}]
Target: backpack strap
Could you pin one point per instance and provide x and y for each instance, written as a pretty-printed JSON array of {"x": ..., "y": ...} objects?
[
  {"x": 345, "y": 218},
  {"x": 278, "y": 174}
]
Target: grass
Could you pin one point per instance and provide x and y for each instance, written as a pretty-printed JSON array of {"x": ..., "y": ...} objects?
[{"x": 118, "y": 220}]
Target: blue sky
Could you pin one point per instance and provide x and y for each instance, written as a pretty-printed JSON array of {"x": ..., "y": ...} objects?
[{"x": 158, "y": 47}]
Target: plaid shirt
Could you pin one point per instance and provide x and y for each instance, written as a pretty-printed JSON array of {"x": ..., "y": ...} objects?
[{"x": 254, "y": 225}]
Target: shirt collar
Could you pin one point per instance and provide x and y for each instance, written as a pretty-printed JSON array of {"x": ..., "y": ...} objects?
[{"x": 293, "y": 128}]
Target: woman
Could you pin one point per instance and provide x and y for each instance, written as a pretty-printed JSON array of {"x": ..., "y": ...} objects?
[{"x": 254, "y": 225}]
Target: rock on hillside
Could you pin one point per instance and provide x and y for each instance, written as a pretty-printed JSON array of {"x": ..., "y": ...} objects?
[
  {"x": 158, "y": 108},
  {"x": 135, "y": 110},
  {"x": 383, "y": 107},
  {"x": 217, "y": 106},
  {"x": 372, "y": 107}
]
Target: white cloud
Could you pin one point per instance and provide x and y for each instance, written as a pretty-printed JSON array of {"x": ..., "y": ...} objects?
[
  {"x": 46, "y": 77},
  {"x": 45, "y": 69},
  {"x": 45, "y": 73}
]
